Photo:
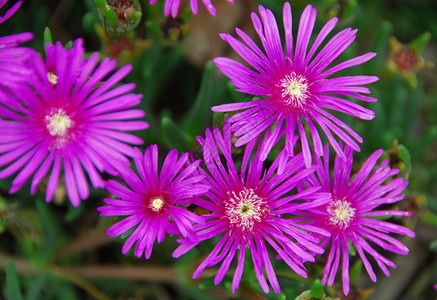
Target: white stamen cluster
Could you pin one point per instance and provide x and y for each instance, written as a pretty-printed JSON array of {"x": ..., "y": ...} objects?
[
  {"x": 245, "y": 208},
  {"x": 156, "y": 204},
  {"x": 58, "y": 123},
  {"x": 53, "y": 79},
  {"x": 294, "y": 90},
  {"x": 341, "y": 214}
]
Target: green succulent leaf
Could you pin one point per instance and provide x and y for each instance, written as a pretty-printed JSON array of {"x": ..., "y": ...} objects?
[
  {"x": 174, "y": 136},
  {"x": 12, "y": 285},
  {"x": 197, "y": 119}
]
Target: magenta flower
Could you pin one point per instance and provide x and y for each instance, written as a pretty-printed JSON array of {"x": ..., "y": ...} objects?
[
  {"x": 71, "y": 118},
  {"x": 172, "y": 6},
  {"x": 350, "y": 215},
  {"x": 151, "y": 200},
  {"x": 12, "y": 71},
  {"x": 249, "y": 209},
  {"x": 294, "y": 85}
]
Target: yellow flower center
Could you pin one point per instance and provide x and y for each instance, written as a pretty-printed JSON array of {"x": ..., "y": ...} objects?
[
  {"x": 341, "y": 213},
  {"x": 58, "y": 123},
  {"x": 52, "y": 78},
  {"x": 245, "y": 208},
  {"x": 294, "y": 90},
  {"x": 156, "y": 204}
]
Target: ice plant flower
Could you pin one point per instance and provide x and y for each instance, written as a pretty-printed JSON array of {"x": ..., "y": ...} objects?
[
  {"x": 250, "y": 209},
  {"x": 352, "y": 214},
  {"x": 172, "y": 6},
  {"x": 11, "y": 57},
  {"x": 295, "y": 84},
  {"x": 151, "y": 203},
  {"x": 71, "y": 118}
]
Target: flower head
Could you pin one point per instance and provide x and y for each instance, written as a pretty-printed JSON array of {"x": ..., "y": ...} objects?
[
  {"x": 151, "y": 202},
  {"x": 295, "y": 85},
  {"x": 172, "y": 6},
  {"x": 69, "y": 118},
  {"x": 249, "y": 209},
  {"x": 12, "y": 70},
  {"x": 350, "y": 215}
]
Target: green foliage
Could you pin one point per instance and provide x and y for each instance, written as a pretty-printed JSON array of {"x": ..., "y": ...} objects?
[
  {"x": 47, "y": 38},
  {"x": 315, "y": 293},
  {"x": 12, "y": 285},
  {"x": 36, "y": 287},
  {"x": 52, "y": 235},
  {"x": 174, "y": 135},
  {"x": 418, "y": 44},
  {"x": 355, "y": 271},
  {"x": 119, "y": 16},
  {"x": 433, "y": 246},
  {"x": 197, "y": 118}
]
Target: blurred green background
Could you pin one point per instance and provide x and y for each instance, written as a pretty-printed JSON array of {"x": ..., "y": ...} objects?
[{"x": 56, "y": 251}]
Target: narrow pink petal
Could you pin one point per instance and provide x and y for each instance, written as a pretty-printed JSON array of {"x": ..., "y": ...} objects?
[
  {"x": 268, "y": 267},
  {"x": 226, "y": 263},
  {"x": 345, "y": 267},
  {"x": 328, "y": 265},
  {"x": 239, "y": 271},
  {"x": 213, "y": 254},
  {"x": 233, "y": 106},
  {"x": 10, "y": 11},
  {"x": 304, "y": 141},
  {"x": 82, "y": 183},
  {"x": 122, "y": 226},
  {"x": 41, "y": 172},
  {"x": 258, "y": 265},
  {"x": 29, "y": 168},
  {"x": 334, "y": 269},
  {"x": 365, "y": 261},
  {"x": 288, "y": 28},
  {"x": 133, "y": 237},
  {"x": 306, "y": 25},
  {"x": 54, "y": 177},
  {"x": 349, "y": 63},
  {"x": 70, "y": 181},
  {"x": 327, "y": 28}
]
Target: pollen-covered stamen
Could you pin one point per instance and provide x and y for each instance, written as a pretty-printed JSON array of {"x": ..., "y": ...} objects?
[
  {"x": 294, "y": 90},
  {"x": 246, "y": 208},
  {"x": 341, "y": 213},
  {"x": 53, "y": 79},
  {"x": 58, "y": 122},
  {"x": 156, "y": 204}
]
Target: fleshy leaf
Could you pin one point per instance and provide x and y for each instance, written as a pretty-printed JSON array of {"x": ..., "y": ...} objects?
[
  {"x": 174, "y": 135},
  {"x": 12, "y": 285}
]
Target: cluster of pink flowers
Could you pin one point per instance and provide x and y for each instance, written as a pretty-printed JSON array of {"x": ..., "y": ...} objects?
[{"x": 70, "y": 114}]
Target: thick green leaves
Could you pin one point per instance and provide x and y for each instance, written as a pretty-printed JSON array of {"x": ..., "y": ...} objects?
[
  {"x": 12, "y": 285},
  {"x": 35, "y": 288},
  {"x": 315, "y": 293},
  {"x": 197, "y": 119},
  {"x": 47, "y": 38},
  {"x": 174, "y": 136}
]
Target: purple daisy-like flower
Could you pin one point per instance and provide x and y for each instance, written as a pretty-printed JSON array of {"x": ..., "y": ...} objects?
[
  {"x": 248, "y": 209},
  {"x": 172, "y": 6},
  {"x": 152, "y": 202},
  {"x": 352, "y": 216},
  {"x": 12, "y": 71},
  {"x": 69, "y": 118},
  {"x": 295, "y": 85}
]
